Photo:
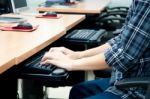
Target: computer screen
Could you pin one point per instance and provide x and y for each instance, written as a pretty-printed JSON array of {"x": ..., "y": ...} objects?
[{"x": 19, "y": 5}]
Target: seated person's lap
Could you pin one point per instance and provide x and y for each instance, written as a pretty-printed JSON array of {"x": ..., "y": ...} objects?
[{"x": 92, "y": 90}]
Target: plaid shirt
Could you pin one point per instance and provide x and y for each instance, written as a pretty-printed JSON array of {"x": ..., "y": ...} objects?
[{"x": 129, "y": 55}]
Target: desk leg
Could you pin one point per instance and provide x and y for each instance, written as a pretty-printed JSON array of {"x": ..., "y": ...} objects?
[
  {"x": 89, "y": 75},
  {"x": 32, "y": 90},
  {"x": 8, "y": 86}
]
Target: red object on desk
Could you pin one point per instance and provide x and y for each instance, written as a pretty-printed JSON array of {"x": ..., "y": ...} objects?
[
  {"x": 49, "y": 17},
  {"x": 19, "y": 30},
  {"x": 70, "y": 3}
]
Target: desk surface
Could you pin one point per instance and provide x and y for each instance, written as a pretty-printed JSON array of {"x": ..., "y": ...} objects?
[
  {"x": 18, "y": 46},
  {"x": 6, "y": 62},
  {"x": 84, "y": 6}
]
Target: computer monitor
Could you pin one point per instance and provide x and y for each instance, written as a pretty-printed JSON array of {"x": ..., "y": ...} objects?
[{"x": 19, "y": 5}]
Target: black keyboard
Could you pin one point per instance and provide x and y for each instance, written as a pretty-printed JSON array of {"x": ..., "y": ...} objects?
[
  {"x": 32, "y": 68},
  {"x": 86, "y": 35}
]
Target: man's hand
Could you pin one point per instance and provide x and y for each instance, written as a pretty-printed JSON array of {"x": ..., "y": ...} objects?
[
  {"x": 66, "y": 51},
  {"x": 57, "y": 58}
]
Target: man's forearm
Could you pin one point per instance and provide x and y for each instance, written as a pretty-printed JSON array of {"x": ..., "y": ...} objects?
[
  {"x": 93, "y": 51},
  {"x": 96, "y": 62}
]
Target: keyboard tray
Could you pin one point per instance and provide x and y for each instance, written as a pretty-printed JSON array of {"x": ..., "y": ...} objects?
[
  {"x": 31, "y": 69},
  {"x": 44, "y": 77},
  {"x": 87, "y": 36}
]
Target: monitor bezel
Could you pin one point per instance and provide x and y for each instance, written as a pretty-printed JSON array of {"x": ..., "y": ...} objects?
[{"x": 20, "y": 9}]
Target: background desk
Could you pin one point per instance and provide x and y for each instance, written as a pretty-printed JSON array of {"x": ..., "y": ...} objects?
[{"x": 84, "y": 6}]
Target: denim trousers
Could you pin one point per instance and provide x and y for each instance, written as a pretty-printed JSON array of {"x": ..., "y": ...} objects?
[{"x": 94, "y": 89}]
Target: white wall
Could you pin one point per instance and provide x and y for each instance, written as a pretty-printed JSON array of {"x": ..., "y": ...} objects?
[
  {"x": 34, "y": 3},
  {"x": 120, "y": 2}
]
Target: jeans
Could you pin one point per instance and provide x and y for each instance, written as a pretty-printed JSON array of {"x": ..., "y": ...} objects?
[{"x": 94, "y": 89}]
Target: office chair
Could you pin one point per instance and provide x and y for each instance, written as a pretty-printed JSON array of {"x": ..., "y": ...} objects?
[
  {"x": 112, "y": 19},
  {"x": 135, "y": 82},
  {"x": 107, "y": 19},
  {"x": 121, "y": 9}
]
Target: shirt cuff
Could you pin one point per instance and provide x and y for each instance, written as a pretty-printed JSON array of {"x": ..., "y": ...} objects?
[
  {"x": 111, "y": 42},
  {"x": 113, "y": 59}
]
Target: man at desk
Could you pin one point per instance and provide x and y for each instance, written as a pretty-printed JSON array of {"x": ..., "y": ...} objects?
[{"x": 128, "y": 54}]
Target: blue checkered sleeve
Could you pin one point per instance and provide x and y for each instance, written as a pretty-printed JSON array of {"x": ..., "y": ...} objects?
[{"x": 128, "y": 47}]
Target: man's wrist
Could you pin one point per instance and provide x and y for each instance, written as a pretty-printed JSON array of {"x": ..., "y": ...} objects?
[
  {"x": 72, "y": 66},
  {"x": 78, "y": 55}
]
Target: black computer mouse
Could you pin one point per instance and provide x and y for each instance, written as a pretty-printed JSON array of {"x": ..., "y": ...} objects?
[
  {"x": 23, "y": 25},
  {"x": 59, "y": 71},
  {"x": 54, "y": 14}
]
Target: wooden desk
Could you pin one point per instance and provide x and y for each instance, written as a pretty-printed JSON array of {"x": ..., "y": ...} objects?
[
  {"x": 6, "y": 63},
  {"x": 7, "y": 58},
  {"x": 18, "y": 46},
  {"x": 71, "y": 21},
  {"x": 85, "y": 6}
]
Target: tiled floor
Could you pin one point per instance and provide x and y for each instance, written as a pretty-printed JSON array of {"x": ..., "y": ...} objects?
[{"x": 58, "y": 93}]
